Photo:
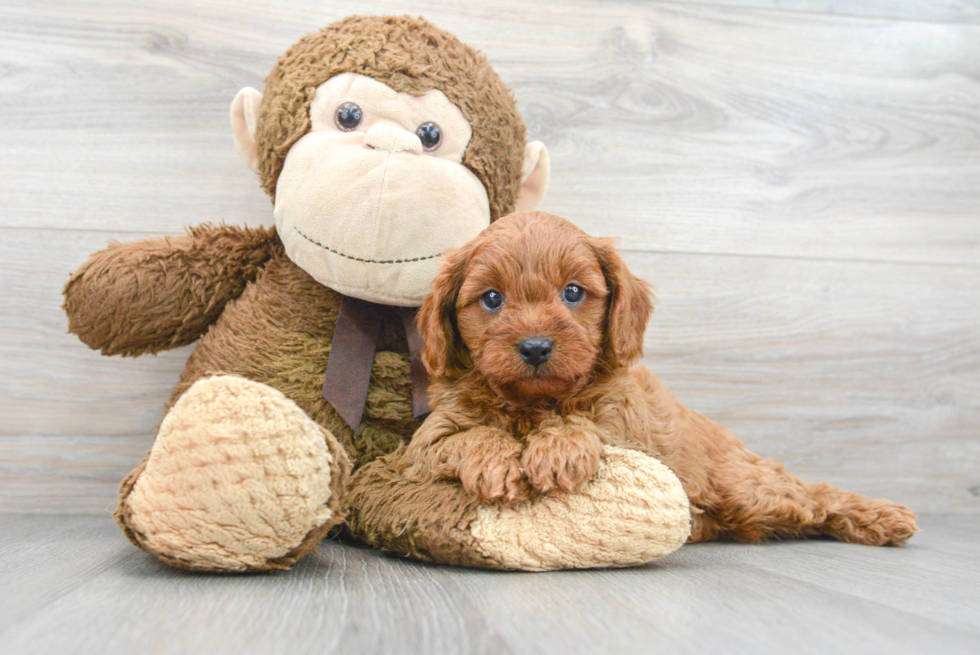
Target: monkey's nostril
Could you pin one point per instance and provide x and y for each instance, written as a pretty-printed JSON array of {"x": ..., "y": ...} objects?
[{"x": 535, "y": 350}]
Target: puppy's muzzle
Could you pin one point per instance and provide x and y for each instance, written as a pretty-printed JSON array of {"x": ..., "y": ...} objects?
[{"x": 535, "y": 350}]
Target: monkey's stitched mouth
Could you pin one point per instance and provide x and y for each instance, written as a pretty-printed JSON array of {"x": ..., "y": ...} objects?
[{"x": 362, "y": 259}]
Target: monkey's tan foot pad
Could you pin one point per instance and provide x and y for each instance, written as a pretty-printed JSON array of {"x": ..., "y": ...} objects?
[
  {"x": 633, "y": 511},
  {"x": 239, "y": 479}
]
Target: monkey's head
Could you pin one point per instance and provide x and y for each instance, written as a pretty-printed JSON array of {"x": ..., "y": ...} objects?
[{"x": 384, "y": 142}]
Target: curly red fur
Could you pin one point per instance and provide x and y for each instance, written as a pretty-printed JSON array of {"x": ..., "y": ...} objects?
[{"x": 508, "y": 429}]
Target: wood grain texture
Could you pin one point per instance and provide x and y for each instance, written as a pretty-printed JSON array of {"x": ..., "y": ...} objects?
[
  {"x": 727, "y": 129},
  {"x": 953, "y": 11},
  {"x": 802, "y": 187},
  {"x": 72, "y": 585}
]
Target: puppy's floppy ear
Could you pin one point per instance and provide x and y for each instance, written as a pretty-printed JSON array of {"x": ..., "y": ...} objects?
[
  {"x": 629, "y": 306},
  {"x": 442, "y": 346}
]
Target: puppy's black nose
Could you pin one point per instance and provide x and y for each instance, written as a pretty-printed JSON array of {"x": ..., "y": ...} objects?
[{"x": 535, "y": 350}]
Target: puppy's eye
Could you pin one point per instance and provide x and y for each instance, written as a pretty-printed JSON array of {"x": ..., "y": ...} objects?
[
  {"x": 492, "y": 300},
  {"x": 430, "y": 135},
  {"x": 573, "y": 294},
  {"x": 348, "y": 116}
]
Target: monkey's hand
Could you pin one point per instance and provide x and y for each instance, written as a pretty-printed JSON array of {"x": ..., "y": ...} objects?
[{"x": 148, "y": 296}]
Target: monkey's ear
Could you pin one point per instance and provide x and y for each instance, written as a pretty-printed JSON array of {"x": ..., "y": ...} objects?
[
  {"x": 244, "y": 118},
  {"x": 535, "y": 175}
]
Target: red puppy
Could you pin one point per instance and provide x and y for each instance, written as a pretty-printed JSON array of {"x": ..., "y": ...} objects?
[{"x": 530, "y": 334}]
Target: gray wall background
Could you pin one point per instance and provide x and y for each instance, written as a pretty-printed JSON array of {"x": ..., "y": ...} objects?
[{"x": 800, "y": 179}]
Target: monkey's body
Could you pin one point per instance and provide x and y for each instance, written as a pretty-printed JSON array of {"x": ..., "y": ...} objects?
[{"x": 261, "y": 336}]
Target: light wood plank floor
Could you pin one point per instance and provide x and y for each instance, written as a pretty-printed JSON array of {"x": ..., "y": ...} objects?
[{"x": 71, "y": 584}]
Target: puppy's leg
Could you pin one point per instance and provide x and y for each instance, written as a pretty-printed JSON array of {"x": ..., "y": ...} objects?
[
  {"x": 703, "y": 526},
  {"x": 758, "y": 499},
  {"x": 562, "y": 453},
  {"x": 857, "y": 519},
  {"x": 491, "y": 467},
  {"x": 486, "y": 460}
]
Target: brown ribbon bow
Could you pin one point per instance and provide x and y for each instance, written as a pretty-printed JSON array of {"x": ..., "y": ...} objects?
[{"x": 355, "y": 339}]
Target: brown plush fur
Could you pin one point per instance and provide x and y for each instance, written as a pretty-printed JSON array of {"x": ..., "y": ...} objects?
[
  {"x": 241, "y": 281},
  {"x": 263, "y": 337},
  {"x": 192, "y": 278},
  {"x": 424, "y": 519},
  {"x": 508, "y": 430},
  {"x": 410, "y": 55}
]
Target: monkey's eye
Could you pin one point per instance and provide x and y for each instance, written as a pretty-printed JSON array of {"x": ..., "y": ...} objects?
[
  {"x": 348, "y": 116},
  {"x": 430, "y": 134},
  {"x": 492, "y": 300},
  {"x": 573, "y": 293}
]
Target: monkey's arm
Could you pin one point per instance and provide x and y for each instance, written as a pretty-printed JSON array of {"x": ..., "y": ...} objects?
[{"x": 147, "y": 296}]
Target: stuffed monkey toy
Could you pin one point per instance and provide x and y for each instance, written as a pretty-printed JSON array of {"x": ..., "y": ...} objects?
[{"x": 383, "y": 142}]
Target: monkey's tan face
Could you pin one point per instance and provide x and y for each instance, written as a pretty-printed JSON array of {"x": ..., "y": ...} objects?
[{"x": 376, "y": 191}]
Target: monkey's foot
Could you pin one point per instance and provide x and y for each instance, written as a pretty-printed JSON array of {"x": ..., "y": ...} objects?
[
  {"x": 634, "y": 510},
  {"x": 239, "y": 479}
]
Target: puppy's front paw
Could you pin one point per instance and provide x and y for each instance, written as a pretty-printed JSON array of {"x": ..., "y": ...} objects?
[
  {"x": 561, "y": 456},
  {"x": 492, "y": 472}
]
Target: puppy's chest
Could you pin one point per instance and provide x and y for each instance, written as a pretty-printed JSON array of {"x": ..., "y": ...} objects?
[{"x": 521, "y": 426}]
